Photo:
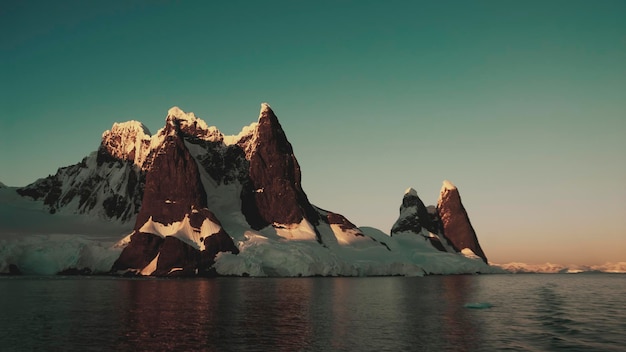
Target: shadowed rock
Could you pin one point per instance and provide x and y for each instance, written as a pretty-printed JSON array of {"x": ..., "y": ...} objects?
[
  {"x": 414, "y": 217},
  {"x": 274, "y": 193}
]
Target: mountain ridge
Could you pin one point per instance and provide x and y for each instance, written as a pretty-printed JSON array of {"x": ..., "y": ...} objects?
[{"x": 243, "y": 194}]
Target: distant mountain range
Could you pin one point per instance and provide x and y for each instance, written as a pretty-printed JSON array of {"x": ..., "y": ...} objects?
[
  {"x": 204, "y": 203},
  {"x": 548, "y": 268}
]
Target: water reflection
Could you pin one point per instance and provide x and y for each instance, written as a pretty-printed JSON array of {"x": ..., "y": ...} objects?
[
  {"x": 244, "y": 314},
  {"x": 461, "y": 331},
  {"x": 298, "y": 314}
]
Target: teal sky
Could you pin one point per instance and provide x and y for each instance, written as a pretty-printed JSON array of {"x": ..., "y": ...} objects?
[{"x": 521, "y": 104}]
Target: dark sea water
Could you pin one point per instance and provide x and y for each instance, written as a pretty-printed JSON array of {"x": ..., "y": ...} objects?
[{"x": 569, "y": 312}]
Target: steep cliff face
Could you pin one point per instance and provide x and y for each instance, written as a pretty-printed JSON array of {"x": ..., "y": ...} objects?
[
  {"x": 175, "y": 234},
  {"x": 455, "y": 221},
  {"x": 274, "y": 195}
]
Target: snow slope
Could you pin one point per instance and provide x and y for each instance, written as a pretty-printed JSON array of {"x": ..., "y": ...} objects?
[{"x": 38, "y": 242}]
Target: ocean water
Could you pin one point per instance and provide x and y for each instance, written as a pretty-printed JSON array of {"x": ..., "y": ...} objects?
[{"x": 532, "y": 312}]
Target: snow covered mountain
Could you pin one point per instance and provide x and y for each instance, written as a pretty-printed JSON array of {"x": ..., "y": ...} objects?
[
  {"x": 108, "y": 183},
  {"x": 446, "y": 227},
  {"x": 549, "y": 268},
  {"x": 203, "y": 203}
]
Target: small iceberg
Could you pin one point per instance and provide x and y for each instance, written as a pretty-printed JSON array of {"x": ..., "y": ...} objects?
[{"x": 478, "y": 305}]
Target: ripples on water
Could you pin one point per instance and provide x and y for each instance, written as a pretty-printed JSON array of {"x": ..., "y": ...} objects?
[{"x": 529, "y": 313}]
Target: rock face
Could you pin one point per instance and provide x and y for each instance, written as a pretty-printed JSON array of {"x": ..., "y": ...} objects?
[
  {"x": 413, "y": 215},
  {"x": 204, "y": 203},
  {"x": 169, "y": 239},
  {"x": 415, "y": 218},
  {"x": 128, "y": 141},
  {"x": 274, "y": 194},
  {"x": 455, "y": 221},
  {"x": 447, "y": 226}
]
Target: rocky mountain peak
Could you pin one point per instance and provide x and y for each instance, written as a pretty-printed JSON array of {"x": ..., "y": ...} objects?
[
  {"x": 128, "y": 141},
  {"x": 175, "y": 233},
  {"x": 275, "y": 194},
  {"x": 266, "y": 110},
  {"x": 173, "y": 184},
  {"x": 191, "y": 125},
  {"x": 410, "y": 192},
  {"x": 414, "y": 215},
  {"x": 455, "y": 221}
]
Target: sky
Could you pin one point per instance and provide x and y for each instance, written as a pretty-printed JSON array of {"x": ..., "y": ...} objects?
[{"x": 521, "y": 104}]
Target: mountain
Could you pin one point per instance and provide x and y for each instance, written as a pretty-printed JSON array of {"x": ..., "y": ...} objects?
[
  {"x": 108, "y": 183},
  {"x": 174, "y": 234},
  {"x": 204, "y": 203},
  {"x": 447, "y": 227},
  {"x": 549, "y": 268},
  {"x": 456, "y": 223},
  {"x": 415, "y": 218}
]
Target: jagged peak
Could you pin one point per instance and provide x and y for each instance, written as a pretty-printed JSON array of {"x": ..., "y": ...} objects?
[
  {"x": 410, "y": 192},
  {"x": 128, "y": 140},
  {"x": 447, "y": 186},
  {"x": 129, "y": 126},
  {"x": 178, "y": 113},
  {"x": 266, "y": 109},
  {"x": 193, "y": 125}
]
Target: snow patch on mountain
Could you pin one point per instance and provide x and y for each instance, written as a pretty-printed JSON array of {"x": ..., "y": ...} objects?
[
  {"x": 469, "y": 253},
  {"x": 127, "y": 141},
  {"x": 183, "y": 230},
  {"x": 446, "y": 187},
  {"x": 303, "y": 231},
  {"x": 410, "y": 192},
  {"x": 192, "y": 125},
  {"x": 245, "y": 132},
  {"x": 151, "y": 267},
  {"x": 265, "y": 108}
]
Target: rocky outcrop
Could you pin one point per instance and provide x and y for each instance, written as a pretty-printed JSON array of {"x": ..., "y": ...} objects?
[
  {"x": 415, "y": 218},
  {"x": 413, "y": 215},
  {"x": 173, "y": 183},
  {"x": 455, "y": 221},
  {"x": 170, "y": 237},
  {"x": 274, "y": 194}
]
